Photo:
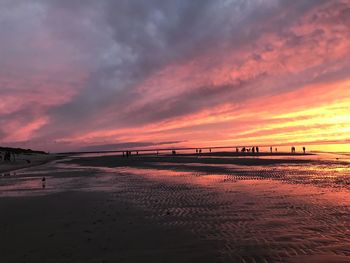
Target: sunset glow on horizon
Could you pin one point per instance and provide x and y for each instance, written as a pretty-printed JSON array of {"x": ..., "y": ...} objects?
[{"x": 110, "y": 75}]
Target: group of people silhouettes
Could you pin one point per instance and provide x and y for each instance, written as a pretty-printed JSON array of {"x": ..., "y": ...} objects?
[
  {"x": 127, "y": 154},
  {"x": 271, "y": 149},
  {"x": 7, "y": 156},
  {"x": 293, "y": 149},
  {"x": 254, "y": 149}
]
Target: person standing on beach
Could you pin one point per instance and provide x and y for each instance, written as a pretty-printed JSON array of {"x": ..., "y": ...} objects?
[
  {"x": 7, "y": 157},
  {"x": 257, "y": 149},
  {"x": 43, "y": 182},
  {"x": 271, "y": 149},
  {"x": 304, "y": 149}
]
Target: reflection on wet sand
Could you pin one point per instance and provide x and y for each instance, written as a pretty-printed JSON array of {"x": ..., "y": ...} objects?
[{"x": 292, "y": 212}]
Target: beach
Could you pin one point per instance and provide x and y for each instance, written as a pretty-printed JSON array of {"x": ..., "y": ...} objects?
[
  {"x": 25, "y": 160},
  {"x": 214, "y": 207}
]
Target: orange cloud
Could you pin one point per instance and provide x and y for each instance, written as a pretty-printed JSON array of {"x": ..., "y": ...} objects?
[
  {"x": 278, "y": 81},
  {"x": 314, "y": 114}
]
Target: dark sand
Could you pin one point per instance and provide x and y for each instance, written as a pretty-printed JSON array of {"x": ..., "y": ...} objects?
[
  {"x": 216, "y": 208},
  {"x": 26, "y": 160}
]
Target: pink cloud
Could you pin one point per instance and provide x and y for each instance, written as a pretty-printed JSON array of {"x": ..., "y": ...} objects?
[{"x": 90, "y": 80}]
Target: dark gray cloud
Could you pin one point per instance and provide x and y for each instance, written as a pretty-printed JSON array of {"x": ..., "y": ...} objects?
[{"x": 147, "y": 35}]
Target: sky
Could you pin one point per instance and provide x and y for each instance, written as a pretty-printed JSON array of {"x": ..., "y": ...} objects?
[{"x": 85, "y": 75}]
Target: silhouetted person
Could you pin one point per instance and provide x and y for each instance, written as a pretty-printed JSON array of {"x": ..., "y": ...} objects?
[
  {"x": 210, "y": 150},
  {"x": 43, "y": 182},
  {"x": 293, "y": 149},
  {"x": 271, "y": 149},
  {"x": 257, "y": 149},
  {"x": 304, "y": 150},
  {"x": 173, "y": 152},
  {"x": 243, "y": 150},
  {"x": 275, "y": 149},
  {"x": 7, "y": 157},
  {"x": 253, "y": 150},
  {"x": 237, "y": 150},
  {"x": 196, "y": 151}
]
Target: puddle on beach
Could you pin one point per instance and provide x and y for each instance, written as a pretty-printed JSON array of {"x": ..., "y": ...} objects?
[
  {"x": 62, "y": 176},
  {"x": 253, "y": 219}
]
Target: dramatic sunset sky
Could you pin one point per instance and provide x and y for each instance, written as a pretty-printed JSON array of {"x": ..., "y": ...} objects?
[{"x": 104, "y": 75}]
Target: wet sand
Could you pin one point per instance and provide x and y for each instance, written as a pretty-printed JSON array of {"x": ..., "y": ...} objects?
[
  {"x": 26, "y": 160},
  {"x": 178, "y": 209}
]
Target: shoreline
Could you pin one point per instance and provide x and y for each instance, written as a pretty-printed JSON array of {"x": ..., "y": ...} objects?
[
  {"x": 118, "y": 209},
  {"x": 6, "y": 168},
  {"x": 15, "y": 166}
]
